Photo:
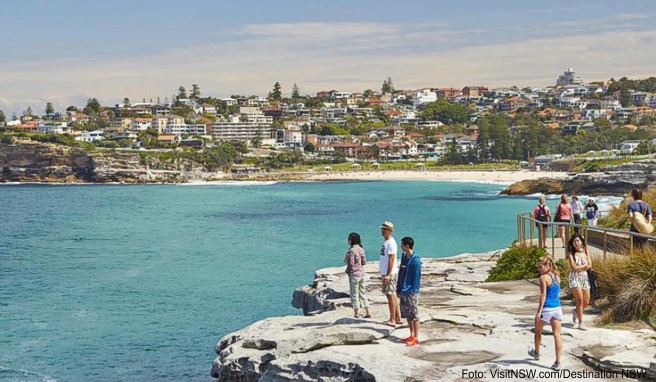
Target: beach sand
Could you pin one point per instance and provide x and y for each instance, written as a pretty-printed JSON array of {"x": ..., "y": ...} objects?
[{"x": 455, "y": 176}]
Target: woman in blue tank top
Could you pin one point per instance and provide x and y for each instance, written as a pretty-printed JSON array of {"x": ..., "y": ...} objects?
[{"x": 549, "y": 310}]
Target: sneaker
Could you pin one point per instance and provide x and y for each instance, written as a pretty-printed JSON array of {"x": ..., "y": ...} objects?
[
  {"x": 407, "y": 339},
  {"x": 582, "y": 326},
  {"x": 413, "y": 342},
  {"x": 574, "y": 315},
  {"x": 534, "y": 354},
  {"x": 555, "y": 366}
]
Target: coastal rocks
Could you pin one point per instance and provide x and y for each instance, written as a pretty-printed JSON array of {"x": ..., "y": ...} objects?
[
  {"x": 609, "y": 180},
  {"x": 51, "y": 163},
  {"x": 466, "y": 325}
]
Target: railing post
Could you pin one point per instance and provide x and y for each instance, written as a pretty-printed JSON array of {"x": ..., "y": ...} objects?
[
  {"x": 631, "y": 235},
  {"x": 605, "y": 235},
  {"x": 518, "y": 237},
  {"x": 532, "y": 231},
  {"x": 553, "y": 244}
]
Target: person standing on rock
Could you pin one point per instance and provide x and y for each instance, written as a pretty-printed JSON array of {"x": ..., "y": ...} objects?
[
  {"x": 389, "y": 271},
  {"x": 577, "y": 209},
  {"x": 563, "y": 215},
  {"x": 591, "y": 212},
  {"x": 549, "y": 309},
  {"x": 408, "y": 288},
  {"x": 355, "y": 261},
  {"x": 579, "y": 263},
  {"x": 541, "y": 213}
]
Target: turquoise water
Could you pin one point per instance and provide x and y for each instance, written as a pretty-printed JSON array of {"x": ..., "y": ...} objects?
[{"x": 137, "y": 283}]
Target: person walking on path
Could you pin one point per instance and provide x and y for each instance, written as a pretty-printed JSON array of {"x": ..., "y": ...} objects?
[
  {"x": 408, "y": 288},
  {"x": 549, "y": 309},
  {"x": 541, "y": 213},
  {"x": 591, "y": 212},
  {"x": 579, "y": 263},
  {"x": 563, "y": 215},
  {"x": 639, "y": 206},
  {"x": 389, "y": 272},
  {"x": 577, "y": 210},
  {"x": 355, "y": 261}
]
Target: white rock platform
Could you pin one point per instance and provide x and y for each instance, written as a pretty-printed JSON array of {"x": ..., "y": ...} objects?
[{"x": 470, "y": 331}]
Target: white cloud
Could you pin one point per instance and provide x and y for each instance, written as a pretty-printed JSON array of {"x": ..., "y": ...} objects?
[{"x": 348, "y": 56}]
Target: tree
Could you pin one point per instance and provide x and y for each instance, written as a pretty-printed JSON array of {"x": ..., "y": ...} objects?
[
  {"x": 195, "y": 91},
  {"x": 453, "y": 155},
  {"x": 388, "y": 86},
  {"x": 644, "y": 148},
  {"x": 309, "y": 147},
  {"x": 49, "y": 109},
  {"x": 72, "y": 108},
  {"x": 93, "y": 106},
  {"x": 126, "y": 102},
  {"x": 182, "y": 93},
  {"x": 28, "y": 111},
  {"x": 276, "y": 93},
  {"x": 444, "y": 111},
  {"x": 295, "y": 93},
  {"x": 257, "y": 141},
  {"x": 368, "y": 93},
  {"x": 3, "y": 118}
]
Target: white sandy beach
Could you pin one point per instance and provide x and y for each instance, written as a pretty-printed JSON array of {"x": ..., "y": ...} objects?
[{"x": 454, "y": 176}]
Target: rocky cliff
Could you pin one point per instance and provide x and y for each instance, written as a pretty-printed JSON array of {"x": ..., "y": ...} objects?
[
  {"x": 466, "y": 326},
  {"x": 50, "y": 163},
  {"x": 609, "y": 180}
]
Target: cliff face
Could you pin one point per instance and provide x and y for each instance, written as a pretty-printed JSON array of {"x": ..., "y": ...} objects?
[
  {"x": 610, "y": 180},
  {"x": 51, "y": 163}
]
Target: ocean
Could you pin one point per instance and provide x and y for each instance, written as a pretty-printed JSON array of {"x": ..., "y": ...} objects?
[{"x": 138, "y": 282}]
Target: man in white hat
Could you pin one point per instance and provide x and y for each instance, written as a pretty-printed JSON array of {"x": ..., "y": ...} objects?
[{"x": 389, "y": 271}]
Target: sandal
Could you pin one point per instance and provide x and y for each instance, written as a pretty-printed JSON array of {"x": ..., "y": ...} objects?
[
  {"x": 367, "y": 316},
  {"x": 389, "y": 323}
]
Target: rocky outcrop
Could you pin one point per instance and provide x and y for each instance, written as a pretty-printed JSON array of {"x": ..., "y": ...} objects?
[
  {"x": 467, "y": 325},
  {"x": 50, "y": 163},
  {"x": 609, "y": 180}
]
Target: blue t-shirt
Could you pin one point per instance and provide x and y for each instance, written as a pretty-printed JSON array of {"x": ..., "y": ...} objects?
[{"x": 638, "y": 206}]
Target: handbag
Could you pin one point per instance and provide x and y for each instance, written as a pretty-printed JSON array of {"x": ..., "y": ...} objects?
[
  {"x": 592, "y": 278},
  {"x": 640, "y": 223}
]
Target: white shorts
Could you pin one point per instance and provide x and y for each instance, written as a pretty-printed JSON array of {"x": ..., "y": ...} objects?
[{"x": 549, "y": 313}]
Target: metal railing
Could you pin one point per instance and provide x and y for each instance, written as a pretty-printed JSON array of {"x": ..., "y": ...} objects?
[{"x": 528, "y": 234}]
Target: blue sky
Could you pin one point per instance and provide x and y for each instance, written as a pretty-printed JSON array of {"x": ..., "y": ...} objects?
[{"x": 68, "y": 50}]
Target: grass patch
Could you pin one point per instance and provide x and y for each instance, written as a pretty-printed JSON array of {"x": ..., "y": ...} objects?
[
  {"x": 628, "y": 287},
  {"x": 596, "y": 164}
]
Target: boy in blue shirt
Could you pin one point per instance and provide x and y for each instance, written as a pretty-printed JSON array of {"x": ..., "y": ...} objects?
[{"x": 407, "y": 288}]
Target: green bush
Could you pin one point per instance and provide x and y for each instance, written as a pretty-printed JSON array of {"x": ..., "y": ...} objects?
[{"x": 517, "y": 263}]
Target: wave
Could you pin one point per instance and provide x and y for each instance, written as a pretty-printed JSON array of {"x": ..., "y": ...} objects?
[
  {"x": 230, "y": 183},
  {"x": 30, "y": 375}
]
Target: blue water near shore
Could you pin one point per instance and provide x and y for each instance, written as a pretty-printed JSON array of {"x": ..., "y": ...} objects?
[{"x": 137, "y": 283}]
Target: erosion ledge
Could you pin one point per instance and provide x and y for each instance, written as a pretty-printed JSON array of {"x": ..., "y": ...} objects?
[
  {"x": 466, "y": 324},
  {"x": 608, "y": 180}
]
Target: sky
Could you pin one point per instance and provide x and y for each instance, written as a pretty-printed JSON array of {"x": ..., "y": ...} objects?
[{"x": 67, "y": 51}]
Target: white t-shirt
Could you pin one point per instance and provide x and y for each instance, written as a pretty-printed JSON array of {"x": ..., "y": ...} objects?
[{"x": 389, "y": 247}]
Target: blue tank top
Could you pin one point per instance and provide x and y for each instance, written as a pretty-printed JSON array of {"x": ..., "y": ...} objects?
[{"x": 553, "y": 294}]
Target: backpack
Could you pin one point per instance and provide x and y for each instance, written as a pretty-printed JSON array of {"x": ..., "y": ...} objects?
[
  {"x": 590, "y": 213},
  {"x": 542, "y": 214}
]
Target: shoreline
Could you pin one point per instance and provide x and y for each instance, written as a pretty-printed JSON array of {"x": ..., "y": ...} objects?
[{"x": 503, "y": 177}]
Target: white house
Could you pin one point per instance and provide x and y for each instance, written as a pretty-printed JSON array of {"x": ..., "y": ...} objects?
[
  {"x": 52, "y": 127},
  {"x": 91, "y": 136},
  {"x": 627, "y": 147},
  {"x": 423, "y": 96}
]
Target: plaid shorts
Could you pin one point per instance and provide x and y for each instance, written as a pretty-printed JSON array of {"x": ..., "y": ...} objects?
[
  {"x": 410, "y": 307},
  {"x": 389, "y": 287}
]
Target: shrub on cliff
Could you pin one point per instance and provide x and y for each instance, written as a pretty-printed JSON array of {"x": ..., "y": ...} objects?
[
  {"x": 618, "y": 218},
  {"x": 628, "y": 286},
  {"x": 517, "y": 263}
]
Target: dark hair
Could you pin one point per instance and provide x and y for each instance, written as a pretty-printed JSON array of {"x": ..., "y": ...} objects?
[
  {"x": 637, "y": 194},
  {"x": 410, "y": 242},
  {"x": 570, "y": 244},
  {"x": 354, "y": 239}
]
